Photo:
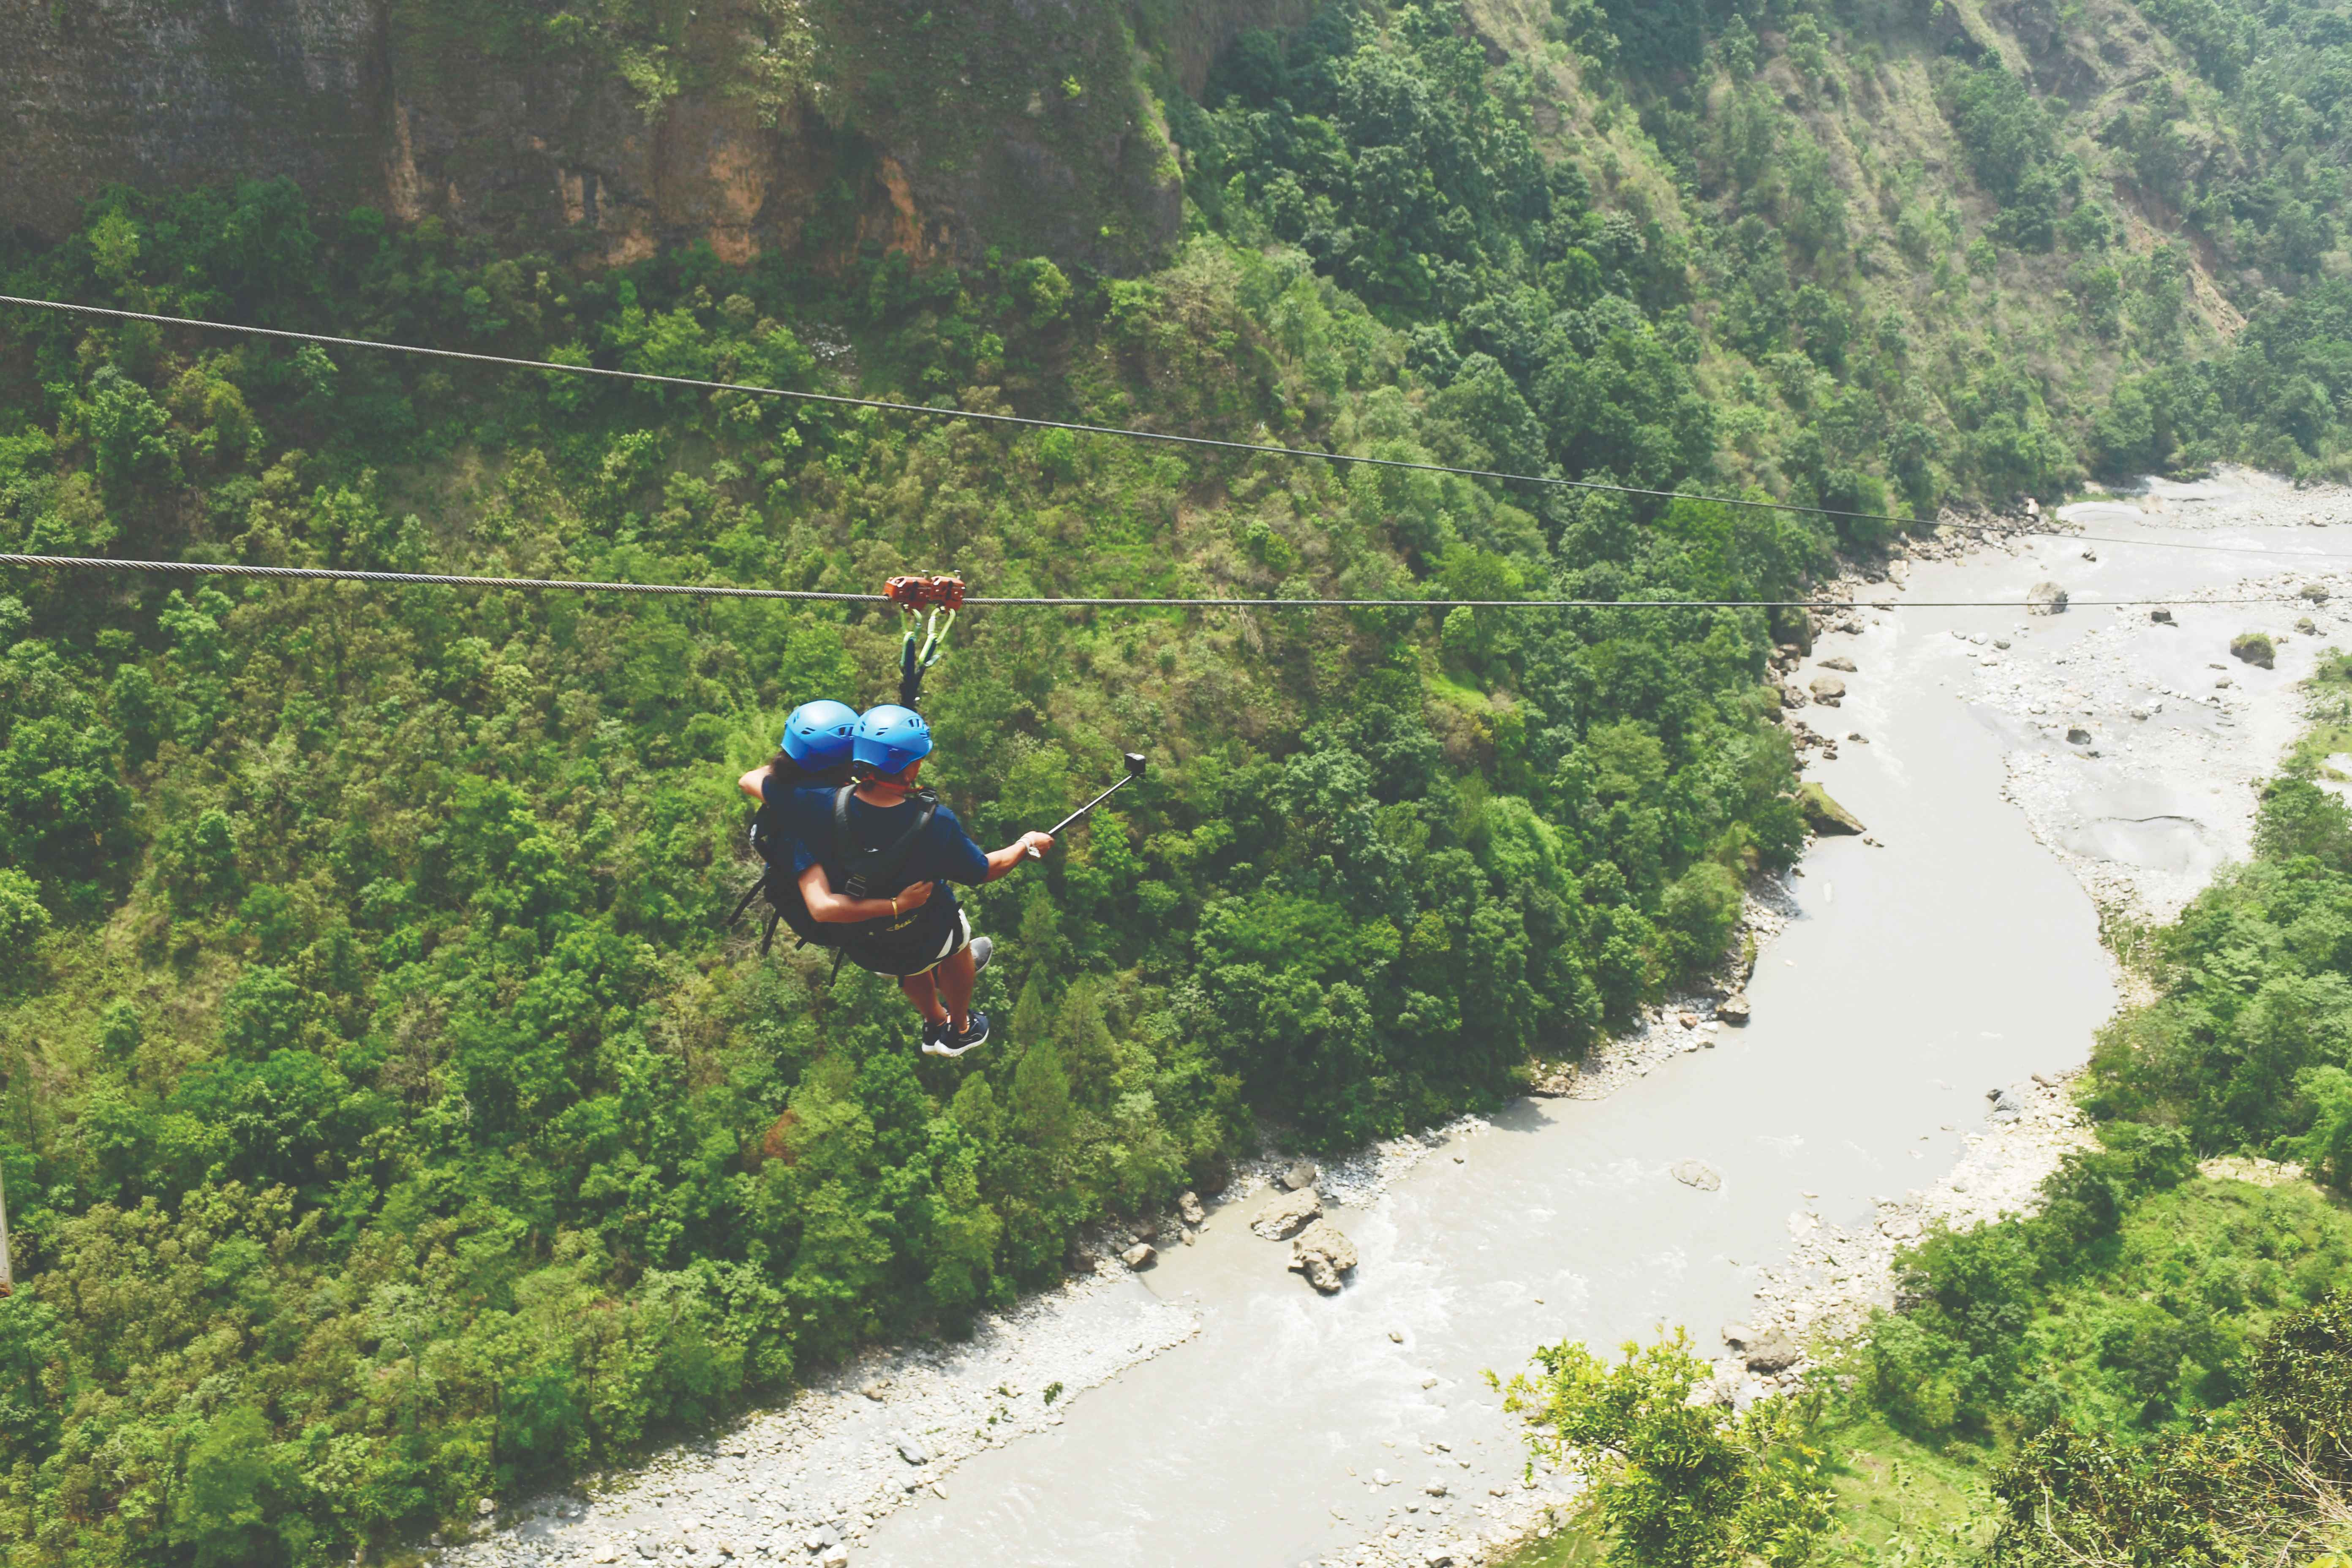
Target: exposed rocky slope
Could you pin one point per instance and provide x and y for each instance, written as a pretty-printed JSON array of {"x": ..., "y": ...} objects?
[{"x": 608, "y": 131}]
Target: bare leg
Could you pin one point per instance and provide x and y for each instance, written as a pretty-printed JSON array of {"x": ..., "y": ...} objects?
[
  {"x": 925, "y": 995},
  {"x": 955, "y": 976}
]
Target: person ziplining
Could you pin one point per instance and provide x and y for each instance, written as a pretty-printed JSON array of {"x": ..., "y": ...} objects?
[{"x": 861, "y": 858}]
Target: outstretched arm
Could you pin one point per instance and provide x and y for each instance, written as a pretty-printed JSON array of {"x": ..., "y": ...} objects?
[
  {"x": 829, "y": 908},
  {"x": 755, "y": 783},
  {"x": 1013, "y": 854}
]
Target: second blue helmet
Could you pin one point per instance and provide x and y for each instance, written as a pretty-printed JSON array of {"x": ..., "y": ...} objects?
[
  {"x": 889, "y": 738},
  {"x": 817, "y": 735}
]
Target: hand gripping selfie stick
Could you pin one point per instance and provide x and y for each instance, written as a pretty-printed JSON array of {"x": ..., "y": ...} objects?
[{"x": 1135, "y": 765}]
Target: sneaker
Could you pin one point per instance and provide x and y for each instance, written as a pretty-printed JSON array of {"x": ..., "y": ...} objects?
[{"x": 950, "y": 1043}]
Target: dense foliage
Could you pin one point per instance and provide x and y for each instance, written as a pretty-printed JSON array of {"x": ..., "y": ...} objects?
[
  {"x": 387, "y": 1123},
  {"x": 385, "y": 1120},
  {"x": 1672, "y": 1480},
  {"x": 2161, "y": 1360},
  {"x": 2152, "y": 1371}
]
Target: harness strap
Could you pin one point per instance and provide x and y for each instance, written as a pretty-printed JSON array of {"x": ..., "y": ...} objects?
[{"x": 868, "y": 867}]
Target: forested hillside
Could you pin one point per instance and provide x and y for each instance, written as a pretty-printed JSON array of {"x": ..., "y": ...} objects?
[{"x": 386, "y": 1122}]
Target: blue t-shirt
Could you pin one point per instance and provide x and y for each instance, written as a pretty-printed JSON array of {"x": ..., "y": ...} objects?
[{"x": 945, "y": 853}]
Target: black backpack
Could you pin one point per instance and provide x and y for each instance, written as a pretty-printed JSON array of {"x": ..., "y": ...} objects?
[{"x": 869, "y": 870}]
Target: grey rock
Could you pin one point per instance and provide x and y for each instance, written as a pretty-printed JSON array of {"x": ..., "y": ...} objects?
[
  {"x": 1824, "y": 815},
  {"x": 2161, "y": 617},
  {"x": 1792, "y": 695},
  {"x": 1734, "y": 1008},
  {"x": 1840, "y": 663},
  {"x": 1828, "y": 691},
  {"x": 1188, "y": 1209},
  {"x": 2315, "y": 591},
  {"x": 1323, "y": 1253},
  {"x": 1697, "y": 1174},
  {"x": 2006, "y": 1107},
  {"x": 1287, "y": 1213},
  {"x": 1738, "y": 1336},
  {"x": 1300, "y": 1175},
  {"x": 1435, "y": 1489},
  {"x": 1140, "y": 1256},
  {"x": 911, "y": 1450},
  {"x": 2045, "y": 599},
  {"x": 2077, "y": 736},
  {"x": 1772, "y": 1352}
]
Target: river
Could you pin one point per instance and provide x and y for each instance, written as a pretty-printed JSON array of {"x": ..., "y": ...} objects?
[{"x": 1958, "y": 953}]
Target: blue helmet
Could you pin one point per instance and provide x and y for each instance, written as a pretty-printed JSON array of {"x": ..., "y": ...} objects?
[
  {"x": 817, "y": 734},
  {"x": 889, "y": 738}
]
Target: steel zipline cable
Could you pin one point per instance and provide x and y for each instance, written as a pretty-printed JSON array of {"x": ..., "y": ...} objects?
[
  {"x": 729, "y": 591},
  {"x": 507, "y": 361}
]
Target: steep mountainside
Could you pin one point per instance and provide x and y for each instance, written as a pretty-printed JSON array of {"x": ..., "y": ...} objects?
[
  {"x": 386, "y": 1120},
  {"x": 809, "y": 125}
]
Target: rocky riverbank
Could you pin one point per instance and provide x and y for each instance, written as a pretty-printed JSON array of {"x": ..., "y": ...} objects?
[{"x": 804, "y": 1484}]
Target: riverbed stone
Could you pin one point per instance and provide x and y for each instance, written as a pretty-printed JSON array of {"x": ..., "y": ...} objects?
[
  {"x": 911, "y": 1450},
  {"x": 1697, "y": 1174},
  {"x": 1824, "y": 815},
  {"x": 2160, "y": 616},
  {"x": 1188, "y": 1209},
  {"x": 1734, "y": 1008},
  {"x": 2077, "y": 736},
  {"x": 2253, "y": 647},
  {"x": 1828, "y": 691},
  {"x": 1287, "y": 1213},
  {"x": 1301, "y": 1173},
  {"x": 1840, "y": 663},
  {"x": 1140, "y": 1256},
  {"x": 2045, "y": 599},
  {"x": 1323, "y": 1253},
  {"x": 1772, "y": 1352}
]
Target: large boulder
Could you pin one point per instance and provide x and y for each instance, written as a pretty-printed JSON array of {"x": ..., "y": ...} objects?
[
  {"x": 1734, "y": 1008},
  {"x": 1142, "y": 1255},
  {"x": 1323, "y": 1254},
  {"x": 1771, "y": 1352},
  {"x": 1301, "y": 1173},
  {"x": 1828, "y": 691},
  {"x": 1697, "y": 1174},
  {"x": 2253, "y": 647},
  {"x": 1188, "y": 1209},
  {"x": 1825, "y": 815},
  {"x": 1287, "y": 1213},
  {"x": 1839, "y": 663},
  {"x": 2045, "y": 599}
]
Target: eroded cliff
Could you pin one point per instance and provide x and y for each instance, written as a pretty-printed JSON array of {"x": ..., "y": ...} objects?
[{"x": 605, "y": 130}]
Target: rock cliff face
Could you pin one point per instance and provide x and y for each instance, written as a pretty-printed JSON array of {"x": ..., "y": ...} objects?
[{"x": 811, "y": 127}]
